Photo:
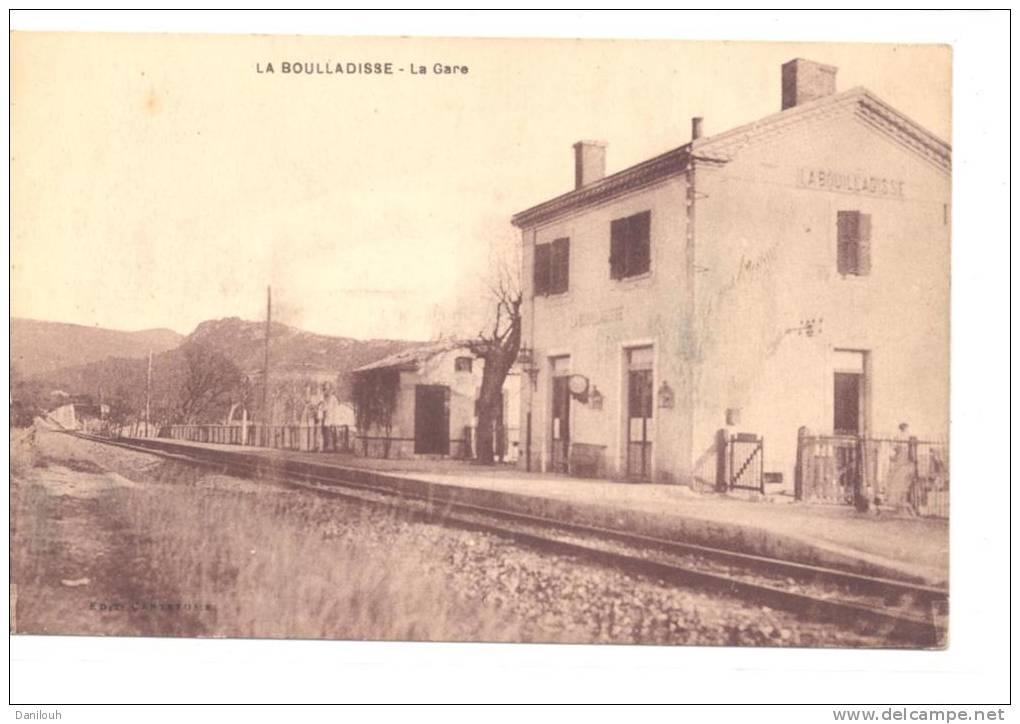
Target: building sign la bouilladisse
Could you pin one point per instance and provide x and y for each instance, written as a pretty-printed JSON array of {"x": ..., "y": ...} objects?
[{"x": 854, "y": 182}]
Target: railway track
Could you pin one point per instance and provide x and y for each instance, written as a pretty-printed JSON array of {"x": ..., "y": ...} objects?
[{"x": 901, "y": 612}]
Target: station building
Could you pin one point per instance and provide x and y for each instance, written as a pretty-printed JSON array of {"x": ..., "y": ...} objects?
[{"x": 791, "y": 274}]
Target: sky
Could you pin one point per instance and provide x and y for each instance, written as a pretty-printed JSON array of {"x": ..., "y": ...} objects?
[{"x": 161, "y": 180}]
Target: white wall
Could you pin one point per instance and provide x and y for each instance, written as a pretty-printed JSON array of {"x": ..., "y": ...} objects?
[
  {"x": 599, "y": 317},
  {"x": 752, "y": 212}
]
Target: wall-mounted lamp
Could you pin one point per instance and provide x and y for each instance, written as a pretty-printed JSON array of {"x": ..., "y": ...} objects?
[
  {"x": 595, "y": 398},
  {"x": 526, "y": 359},
  {"x": 666, "y": 396}
]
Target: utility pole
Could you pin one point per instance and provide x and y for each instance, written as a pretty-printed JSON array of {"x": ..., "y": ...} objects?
[
  {"x": 267, "y": 420},
  {"x": 148, "y": 393}
]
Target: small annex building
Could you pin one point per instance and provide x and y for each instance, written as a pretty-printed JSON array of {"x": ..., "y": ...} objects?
[{"x": 422, "y": 402}]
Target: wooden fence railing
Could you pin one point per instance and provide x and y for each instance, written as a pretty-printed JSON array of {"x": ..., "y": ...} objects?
[
  {"x": 905, "y": 474},
  {"x": 338, "y": 438}
]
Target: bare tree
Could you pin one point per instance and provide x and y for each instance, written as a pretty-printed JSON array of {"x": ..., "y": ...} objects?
[{"x": 498, "y": 347}]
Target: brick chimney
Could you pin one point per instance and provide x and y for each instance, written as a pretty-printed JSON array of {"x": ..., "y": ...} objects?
[
  {"x": 696, "y": 126},
  {"x": 589, "y": 162},
  {"x": 806, "y": 80}
]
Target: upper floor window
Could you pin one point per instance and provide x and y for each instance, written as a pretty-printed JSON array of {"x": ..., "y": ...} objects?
[
  {"x": 629, "y": 246},
  {"x": 853, "y": 243},
  {"x": 552, "y": 267},
  {"x": 462, "y": 364}
]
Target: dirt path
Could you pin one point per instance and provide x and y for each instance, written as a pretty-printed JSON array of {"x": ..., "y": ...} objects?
[{"x": 77, "y": 565}]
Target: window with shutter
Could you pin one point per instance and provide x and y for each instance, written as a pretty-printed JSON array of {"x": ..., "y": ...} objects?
[
  {"x": 640, "y": 243},
  {"x": 863, "y": 244},
  {"x": 543, "y": 259},
  {"x": 853, "y": 243},
  {"x": 560, "y": 275},
  {"x": 618, "y": 240},
  {"x": 630, "y": 246},
  {"x": 552, "y": 267},
  {"x": 846, "y": 230}
]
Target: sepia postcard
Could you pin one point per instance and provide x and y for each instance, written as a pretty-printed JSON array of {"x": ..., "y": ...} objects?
[{"x": 488, "y": 340}]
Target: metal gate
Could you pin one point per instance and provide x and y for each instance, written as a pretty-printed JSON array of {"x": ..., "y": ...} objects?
[{"x": 747, "y": 462}]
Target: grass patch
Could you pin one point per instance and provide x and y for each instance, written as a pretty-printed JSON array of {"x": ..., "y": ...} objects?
[
  {"x": 273, "y": 562},
  {"x": 284, "y": 567}
]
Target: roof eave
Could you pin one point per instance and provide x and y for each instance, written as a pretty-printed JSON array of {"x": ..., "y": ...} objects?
[
  {"x": 859, "y": 97},
  {"x": 638, "y": 176},
  {"x": 677, "y": 160},
  {"x": 398, "y": 366}
]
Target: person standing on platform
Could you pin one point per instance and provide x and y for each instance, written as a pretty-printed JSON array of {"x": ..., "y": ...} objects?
[{"x": 330, "y": 418}]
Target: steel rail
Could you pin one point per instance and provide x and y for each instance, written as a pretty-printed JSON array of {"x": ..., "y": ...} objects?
[{"x": 894, "y": 624}]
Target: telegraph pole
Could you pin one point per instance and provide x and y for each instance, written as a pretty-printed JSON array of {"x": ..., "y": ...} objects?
[
  {"x": 266, "y": 416},
  {"x": 148, "y": 393}
]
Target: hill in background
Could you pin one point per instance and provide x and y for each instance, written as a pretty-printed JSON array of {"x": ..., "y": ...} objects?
[
  {"x": 294, "y": 354},
  {"x": 39, "y": 348},
  {"x": 291, "y": 349}
]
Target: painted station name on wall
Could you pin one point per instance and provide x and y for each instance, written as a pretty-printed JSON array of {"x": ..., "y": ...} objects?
[
  {"x": 854, "y": 182},
  {"x": 589, "y": 318}
]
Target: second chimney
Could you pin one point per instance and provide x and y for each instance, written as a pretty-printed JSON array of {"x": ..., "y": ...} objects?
[
  {"x": 589, "y": 162},
  {"x": 806, "y": 80},
  {"x": 696, "y": 124}
]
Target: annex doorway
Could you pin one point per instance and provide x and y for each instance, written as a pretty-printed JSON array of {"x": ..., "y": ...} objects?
[{"x": 432, "y": 420}]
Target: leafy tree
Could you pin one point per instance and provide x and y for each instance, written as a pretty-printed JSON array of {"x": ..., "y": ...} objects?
[
  {"x": 27, "y": 399},
  {"x": 203, "y": 384},
  {"x": 374, "y": 393},
  {"x": 122, "y": 407}
]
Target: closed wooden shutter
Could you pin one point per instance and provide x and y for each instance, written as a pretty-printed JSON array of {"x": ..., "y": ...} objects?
[
  {"x": 846, "y": 241},
  {"x": 864, "y": 244},
  {"x": 543, "y": 261},
  {"x": 560, "y": 276},
  {"x": 619, "y": 238},
  {"x": 640, "y": 243},
  {"x": 630, "y": 246}
]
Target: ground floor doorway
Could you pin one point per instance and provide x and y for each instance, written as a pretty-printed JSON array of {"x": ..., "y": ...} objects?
[{"x": 640, "y": 407}]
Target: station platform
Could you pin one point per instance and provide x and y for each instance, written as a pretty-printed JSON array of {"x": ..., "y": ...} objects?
[{"x": 905, "y": 548}]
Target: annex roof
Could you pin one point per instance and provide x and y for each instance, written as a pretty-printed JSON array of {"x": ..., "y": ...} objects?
[{"x": 410, "y": 358}]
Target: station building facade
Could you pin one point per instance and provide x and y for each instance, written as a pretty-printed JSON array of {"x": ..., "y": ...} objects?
[{"x": 789, "y": 274}]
